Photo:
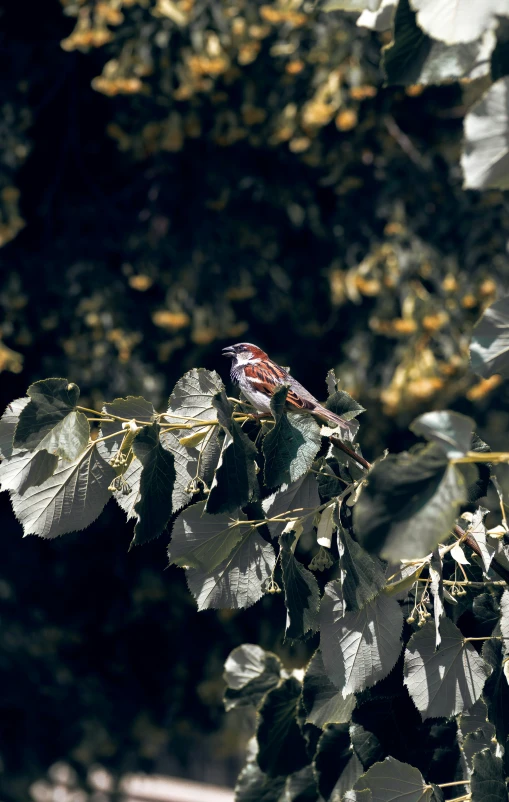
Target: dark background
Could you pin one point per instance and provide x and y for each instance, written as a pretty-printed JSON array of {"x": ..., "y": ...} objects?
[{"x": 245, "y": 201}]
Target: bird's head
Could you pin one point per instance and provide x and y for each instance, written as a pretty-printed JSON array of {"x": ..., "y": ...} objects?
[{"x": 242, "y": 353}]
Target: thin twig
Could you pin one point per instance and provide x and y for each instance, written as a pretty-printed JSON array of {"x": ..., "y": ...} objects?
[{"x": 405, "y": 143}]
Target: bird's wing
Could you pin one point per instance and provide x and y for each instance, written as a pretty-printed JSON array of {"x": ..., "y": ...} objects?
[{"x": 268, "y": 378}]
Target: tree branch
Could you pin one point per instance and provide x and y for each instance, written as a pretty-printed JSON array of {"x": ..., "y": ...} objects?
[{"x": 334, "y": 439}]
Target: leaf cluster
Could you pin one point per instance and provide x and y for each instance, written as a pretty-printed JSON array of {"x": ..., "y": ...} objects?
[{"x": 385, "y": 578}]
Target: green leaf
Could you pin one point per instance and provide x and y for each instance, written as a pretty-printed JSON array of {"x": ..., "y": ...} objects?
[
  {"x": 478, "y": 531},
  {"x": 192, "y": 397},
  {"x": 381, "y": 20},
  {"x": 130, "y": 408},
  {"x": 26, "y": 469},
  {"x": 333, "y": 754},
  {"x": 204, "y": 541},
  {"x": 476, "y": 718},
  {"x": 8, "y": 423},
  {"x": 154, "y": 506},
  {"x": 456, "y": 21},
  {"x": 348, "y": 777},
  {"x": 366, "y": 746},
  {"x": 302, "y": 594},
  {"x": 359, "y": 648},
  {"x": 436, "y": 587},
  {"x": 66, "y": 436},
  {"x": 413, "y": 57},
  {"x": 282, "y": 749},
  {"x": 235, "y": 478},
  {"x": 504, "y": 619},
  {"x": 475, "y": 742},
  {"x": 323, "y": 703},
  {"x": 301, "y": 496},
  {"x": 452, "y": 431},
  {"x": 487, "y": 783},
  {"x": 253, "y": 785},
  {"x": 362, "y": 576},
  {"x": 291, "y": 445},
  {"x": 184, "y": 464},
  {"x": 446, "y": 681},
  {"x": 343, "y": 404},
  {"x": 329, "y": 485},
  {"x": 239, "y": 580},
  {"x": 489, "y": 348},
  {"x": 496, "y": 689},
  {"x": 409, "y": 504},
  {"x": 67, "y": 501},
  {"x": 42, "y": 422},
  {"x": 392, "y": 780},
  {"x": 301, "y": 787},
  {"x": 250, "y": 672},
  {"x": 485, "y": 158}
]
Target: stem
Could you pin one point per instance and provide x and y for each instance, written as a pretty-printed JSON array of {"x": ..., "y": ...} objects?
[
  {"x": 107, "y": 437},
  {"x": 456, "y": 782},
  {"x": 91, "y": 411},
  {"x": 334, "y": 439},
  {"x": 481, "y": 456}
]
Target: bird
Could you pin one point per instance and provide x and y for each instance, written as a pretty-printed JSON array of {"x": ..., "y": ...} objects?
[{"x": 259, "y": 377}]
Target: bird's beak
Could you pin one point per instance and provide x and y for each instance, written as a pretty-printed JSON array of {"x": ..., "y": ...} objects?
[{"x": 229, "y": 351}]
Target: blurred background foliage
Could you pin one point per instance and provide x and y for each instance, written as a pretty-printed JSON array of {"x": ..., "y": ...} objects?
[{"x": 176, "y": 175}]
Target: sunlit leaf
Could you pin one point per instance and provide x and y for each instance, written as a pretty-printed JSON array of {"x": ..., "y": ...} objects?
[
  {"x": 67, "y": 501},
  {"x": 238, "y": 581},
  {"x": 392, "y": 780},
  {"x": 301, "y": 496},
  {"x": 26, "y": 469},
  {"x": 359, "y": 648},
  {"x": 130, "y": 408},
  {"x": 454, "y": 21},
  {"x": 323, "y": 702},
  {"x": 50, "y": 420},
  {"x": 249, "y": 672},
  {"x": 485, "y": 158},
  {"x": 8, "y": 423},
  {"x": 204, "y": 541},
  {"x": 489, "y": 347},
  {"x": 444, "y": 681},
  {"x": 192, "y": 397},
  {"x": 413, "y": 57}
]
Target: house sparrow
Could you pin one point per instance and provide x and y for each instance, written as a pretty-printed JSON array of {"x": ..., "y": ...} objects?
[{"x": 259, "y": 377}]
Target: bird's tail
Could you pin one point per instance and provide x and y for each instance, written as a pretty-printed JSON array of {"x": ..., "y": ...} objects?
[{"x": 347, "y": 429}]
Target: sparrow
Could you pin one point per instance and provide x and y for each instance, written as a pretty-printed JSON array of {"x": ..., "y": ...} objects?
[{"x": 259, "y": 377}]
